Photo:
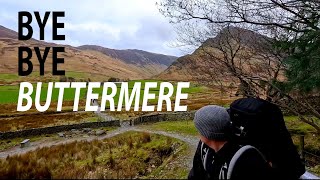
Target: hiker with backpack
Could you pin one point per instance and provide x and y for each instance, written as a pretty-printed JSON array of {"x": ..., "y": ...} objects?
[
  {"x": 218, "y": 156},
  {"x": 259, "y": 123}
]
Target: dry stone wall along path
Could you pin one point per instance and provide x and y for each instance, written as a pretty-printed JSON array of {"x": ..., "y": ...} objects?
[{"x": 184, "y": 161}]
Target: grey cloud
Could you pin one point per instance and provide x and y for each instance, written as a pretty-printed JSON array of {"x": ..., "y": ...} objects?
[{"x": 120, "y": 24}]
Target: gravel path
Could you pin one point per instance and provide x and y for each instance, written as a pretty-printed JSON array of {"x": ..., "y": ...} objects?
[
  {"x": 39, "y": 144},
  {"x": 187, "y": 160},
  {"x": 192, "y": 141},
  {"x": 184, "y": 161}
]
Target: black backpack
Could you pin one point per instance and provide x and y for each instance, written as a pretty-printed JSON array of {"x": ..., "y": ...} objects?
[
  {"x": 259, "y": 123},
  {"x": 246, "y": 163}
]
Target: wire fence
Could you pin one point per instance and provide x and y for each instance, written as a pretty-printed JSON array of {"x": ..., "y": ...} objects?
[{"x": 311, "y": 159}]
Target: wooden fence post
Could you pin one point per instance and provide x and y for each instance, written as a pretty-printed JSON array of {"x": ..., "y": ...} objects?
[{"x": 301, "y": 148}]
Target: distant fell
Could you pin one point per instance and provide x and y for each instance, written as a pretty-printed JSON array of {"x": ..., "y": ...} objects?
[
  {"x": 133, "y": 56},
  {"x": 194, "y": 67},
  {"x": 7, "y": 33}
]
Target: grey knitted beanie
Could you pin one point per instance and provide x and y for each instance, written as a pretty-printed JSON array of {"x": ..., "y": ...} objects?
[{"x": 213, "y": 122}]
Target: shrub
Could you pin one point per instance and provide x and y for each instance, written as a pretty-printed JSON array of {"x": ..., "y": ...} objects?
[{"x": 120, "y": 156}]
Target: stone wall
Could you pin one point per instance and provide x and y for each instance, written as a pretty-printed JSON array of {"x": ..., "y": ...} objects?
[
  {"x": 56, "y": 129},
  {"x": 152, "y": 118},
  {"x": 174, "y": 116}
]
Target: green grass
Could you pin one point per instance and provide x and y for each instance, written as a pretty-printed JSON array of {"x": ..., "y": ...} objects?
[
  {"x": 195, "y": 89},
  {"x": 91, "y": 119},
  {"x": 34, "y": 76},
  {"x": 315, "y": 170},
  {"x": 8, "y": 77},
  {"x": 295, "y": 126},
  {"x": 9, "y": 143},
  {"x": 297, "y": 129},
  {"x": 176, "y": 171},
  {"x": 9, "y": 94},
  {"x": 183, "y": 127},
  {"x": 77, "y": 74}
]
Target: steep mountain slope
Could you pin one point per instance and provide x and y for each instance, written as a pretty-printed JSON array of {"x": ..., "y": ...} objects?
[
  {"x": 195, "y": 67},
  {"x": 152, "y": 63},
  {"x": 7, "y": 33},
  {"x": 133, "y": 56},
  {"x": 88, "y": 63},
  {"x": 185, "y": 68}
]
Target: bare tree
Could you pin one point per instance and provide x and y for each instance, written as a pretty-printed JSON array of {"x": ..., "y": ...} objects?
[
  {"x": 288, "y": 15},
  {"x": 243, "y": 56}
]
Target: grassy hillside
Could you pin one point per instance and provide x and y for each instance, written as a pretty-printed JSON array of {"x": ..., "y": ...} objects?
[
  {"x": 94, "y": 64},
  {"x": 10, "y": 93}
]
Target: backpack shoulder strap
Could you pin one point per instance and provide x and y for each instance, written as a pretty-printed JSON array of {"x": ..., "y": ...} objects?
[
  {"x": 204, "y": 156},
  {"x": 237, "y": 155},
  {"x": 223, "y": 171}
]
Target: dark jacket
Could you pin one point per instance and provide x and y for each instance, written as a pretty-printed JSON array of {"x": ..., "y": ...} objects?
[{"x": 250, "y": 165}]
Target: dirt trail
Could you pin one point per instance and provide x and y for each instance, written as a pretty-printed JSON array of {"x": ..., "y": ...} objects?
[
  {"x": 42, "y": 143},
  {"x": 186, "y": 160},
  {"x": 192, "y": 141}
]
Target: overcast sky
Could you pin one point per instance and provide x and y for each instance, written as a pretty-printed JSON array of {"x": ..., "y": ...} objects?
[{"x": 119, "y": 24}]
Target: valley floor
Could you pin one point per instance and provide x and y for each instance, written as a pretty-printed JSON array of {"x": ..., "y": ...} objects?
[{"x": 176, "y": 167}]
